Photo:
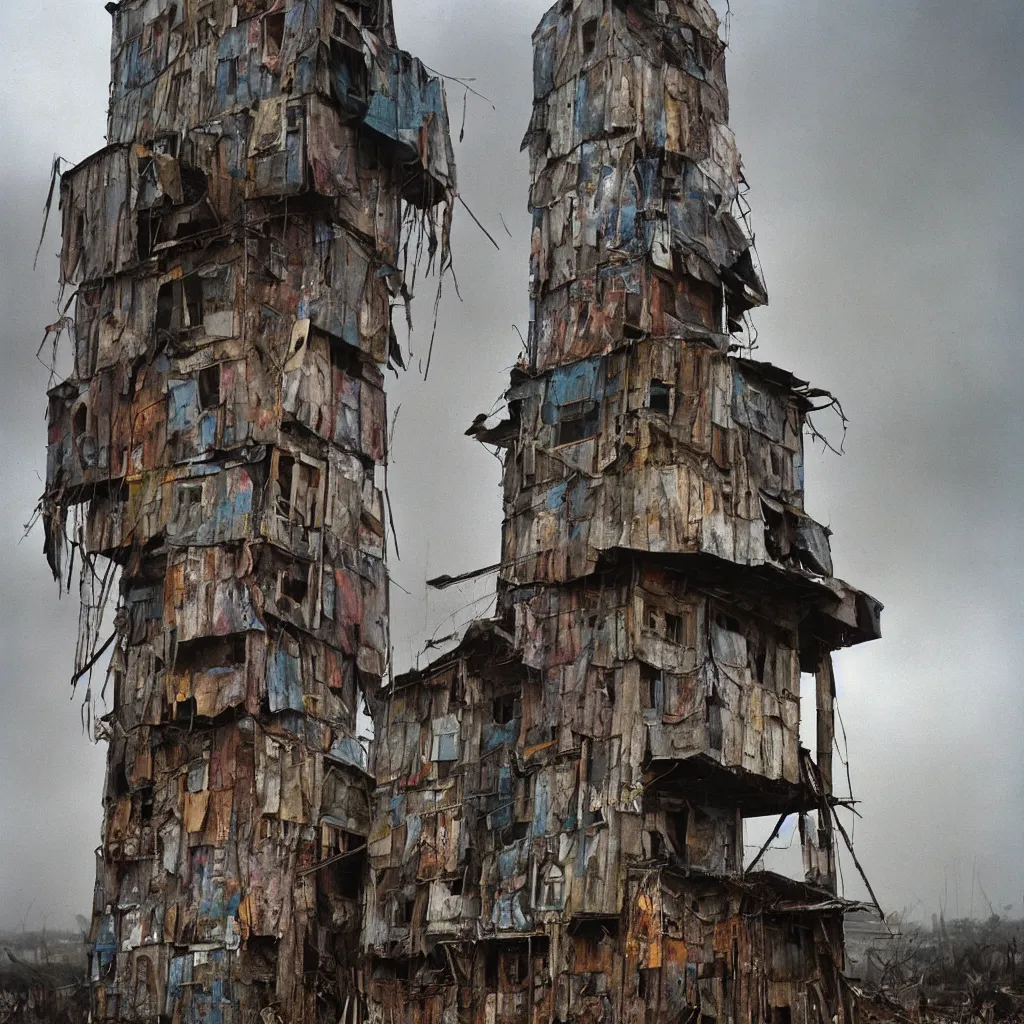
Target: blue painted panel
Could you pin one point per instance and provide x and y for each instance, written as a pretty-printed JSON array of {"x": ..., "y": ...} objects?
[
  {"x": 577, "y": 382},
  {"x": 284, "y": 682},
  {"x": 544, "y": 63},
  {"x": 397, "y": 810},
  {"x": 183, "y": 406},
  {"x": 404, "y": 99},
  {"x": 541, "y": 805},
  {"x": 495, "y": 736},
  {"x": 348, "y": 750},
  {"x": 556, "y": 497}
]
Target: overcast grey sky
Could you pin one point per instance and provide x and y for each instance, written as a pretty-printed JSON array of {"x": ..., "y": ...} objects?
[{"x": 883, "y": 142}]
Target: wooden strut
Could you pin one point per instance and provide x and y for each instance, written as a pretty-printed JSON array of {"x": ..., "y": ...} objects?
[
  {"x": 863, "y": 875},
  {"x": 771, "y": 839}
]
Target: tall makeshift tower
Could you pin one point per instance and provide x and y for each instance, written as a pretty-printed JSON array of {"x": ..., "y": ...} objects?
[
  {"x": 235, "y": 252},
  {"x": 558, "y": 835}
]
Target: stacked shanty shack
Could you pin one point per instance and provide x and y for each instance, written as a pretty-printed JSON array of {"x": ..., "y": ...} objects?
[
  {"x": 235, "y": 254},
  {"x": 558, "y": 829}
]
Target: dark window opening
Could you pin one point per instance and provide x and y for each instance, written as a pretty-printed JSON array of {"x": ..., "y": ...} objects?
[
  {"x": 594, "y": 929},
  {"x": 455, "y": 886},
  {"x": 148, "y": 802},
  {"x": 273, "y": 35},
  {"x": 165, "y": 307},
  {"x": 520, "y": 831},
  {"x": 651, "y": 619},
  {"x": 293, "y": 117},
  {"x": 294, "y": 587},
  {"x": 647, "y": 983},
  {"x": 145, "y": 165},
  {"x": 660, "y": 399},
  {"x": 517, "y": 966},
  {"x": 657, "y": 845},
  {"x": 504, "y": 709},
  {"x": 781, "y": 1015},
  {"x": 491, "y": 968},
  {"x": 678, "y": 823},
  {"x": 209, "y": 387},
  {"x": 589, "y": 36},
  {"x": 705, "y": 1019},
  {"x": 231, "y": 74},
  {"x": 119, "y": 782},
  {"x": 578, "y": 421},
  {"x": 760, "y": 659},
  {"x": 211, "y": 652},
  {"x": 674, "y": 628},
  {"x": 145, "y": 238},
  {"x": 776, "y": 465},
  {"x": 190, "y": 501},
  {"x": 194, "y": 186},
  {"x": 186, "y": 710},
  {"x": 338, "y": 29},
  {"x": 193, "y": 288},
  {"x": 348, "y": 876},
  {"x": 652, "y": 687},
  {"x": 727, "y": 622},
  {"x": 285, "y": 469},
  {"x": 310, "y": 957},
  {"x": 80, "y": 422},
  {"x": 408, "y": 911}
]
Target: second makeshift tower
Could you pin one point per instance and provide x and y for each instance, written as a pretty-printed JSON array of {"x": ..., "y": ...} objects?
[{"x": 559, "y": 829}]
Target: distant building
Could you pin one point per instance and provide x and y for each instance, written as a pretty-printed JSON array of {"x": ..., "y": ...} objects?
[{"x": 871, "y": 944}]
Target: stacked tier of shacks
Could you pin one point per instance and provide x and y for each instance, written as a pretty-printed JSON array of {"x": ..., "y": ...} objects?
[
  {"x": 235, "y": 254},
  {"x": 558, "y": 829}
]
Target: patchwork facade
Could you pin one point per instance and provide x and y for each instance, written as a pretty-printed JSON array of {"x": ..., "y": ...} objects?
[
  {"x": 236, "y": 256},
  {"x": 558, "y": 827},
  {"x": 548, "y": 824}
]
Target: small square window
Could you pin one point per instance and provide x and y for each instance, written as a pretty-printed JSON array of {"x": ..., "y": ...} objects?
[
  {"x": 295, "y": 586},
  {"x": 660, "y": 398},
  {"x": 504, "y": 709},
  {"x": 209, "y": 387},
  {"x": 273, "y": 35},
  {"x": 338, "y": 29},
  {"x": 652, "y": 688},
  {"x": 674, "y": 628},
  {"x": 190, "y": 500},
  {"x": 578, "y": 421}
]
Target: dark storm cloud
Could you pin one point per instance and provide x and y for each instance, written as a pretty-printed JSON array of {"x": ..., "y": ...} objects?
[{"x": 883, "y": 144}]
